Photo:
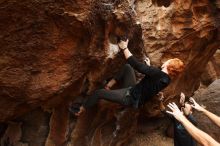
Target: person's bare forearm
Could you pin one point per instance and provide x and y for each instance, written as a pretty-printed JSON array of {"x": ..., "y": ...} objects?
[
  {"x": 213, "y": 117},
  {"x": 111, "y": 83},
  {"x": 127, "y": 53},
  {"x": 198, "y": 134}
]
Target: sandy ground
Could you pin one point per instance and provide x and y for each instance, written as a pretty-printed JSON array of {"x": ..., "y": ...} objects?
[
  {"x": 155, "y": 139},
  {"x": 152, "y": 133}
]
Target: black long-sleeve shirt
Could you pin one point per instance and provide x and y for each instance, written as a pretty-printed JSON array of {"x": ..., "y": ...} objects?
[
  {"x": 181, "y": 136},
  {"x": 154, "y": 81}
]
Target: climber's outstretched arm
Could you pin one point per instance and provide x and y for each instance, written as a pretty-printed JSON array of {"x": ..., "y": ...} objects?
[
  {"x": 196, "y": 133},
  {"x": 140, "y": 67}
]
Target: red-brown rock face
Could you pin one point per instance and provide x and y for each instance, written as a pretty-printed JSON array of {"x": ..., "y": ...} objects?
[
  {"x": 48, "y": 48},
  {"x": 184, "y": 29},
  {"x": 212, "y": 69},
  {"x": 50, "y": 51}
]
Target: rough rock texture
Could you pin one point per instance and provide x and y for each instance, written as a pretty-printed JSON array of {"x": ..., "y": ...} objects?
[
  {"x": 184, "y": 29},
  {"x": 51, "y": 52},
  {"x": 212, "y": 70},
  {"x": 48, "y": 48}
]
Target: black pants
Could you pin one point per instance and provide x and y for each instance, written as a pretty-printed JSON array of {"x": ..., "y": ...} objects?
[{"x": 127, "y": 78}]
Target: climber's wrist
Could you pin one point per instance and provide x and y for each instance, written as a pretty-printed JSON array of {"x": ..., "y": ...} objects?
[
  {"x": 107, "y": 87},
  {"x": 123, "y": 49}
]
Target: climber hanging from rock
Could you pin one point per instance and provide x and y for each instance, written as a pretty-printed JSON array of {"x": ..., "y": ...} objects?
[{"x": 135, "y": 94}]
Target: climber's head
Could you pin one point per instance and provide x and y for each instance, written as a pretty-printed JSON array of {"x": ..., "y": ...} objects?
[{"x": 173, "y": 67}]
